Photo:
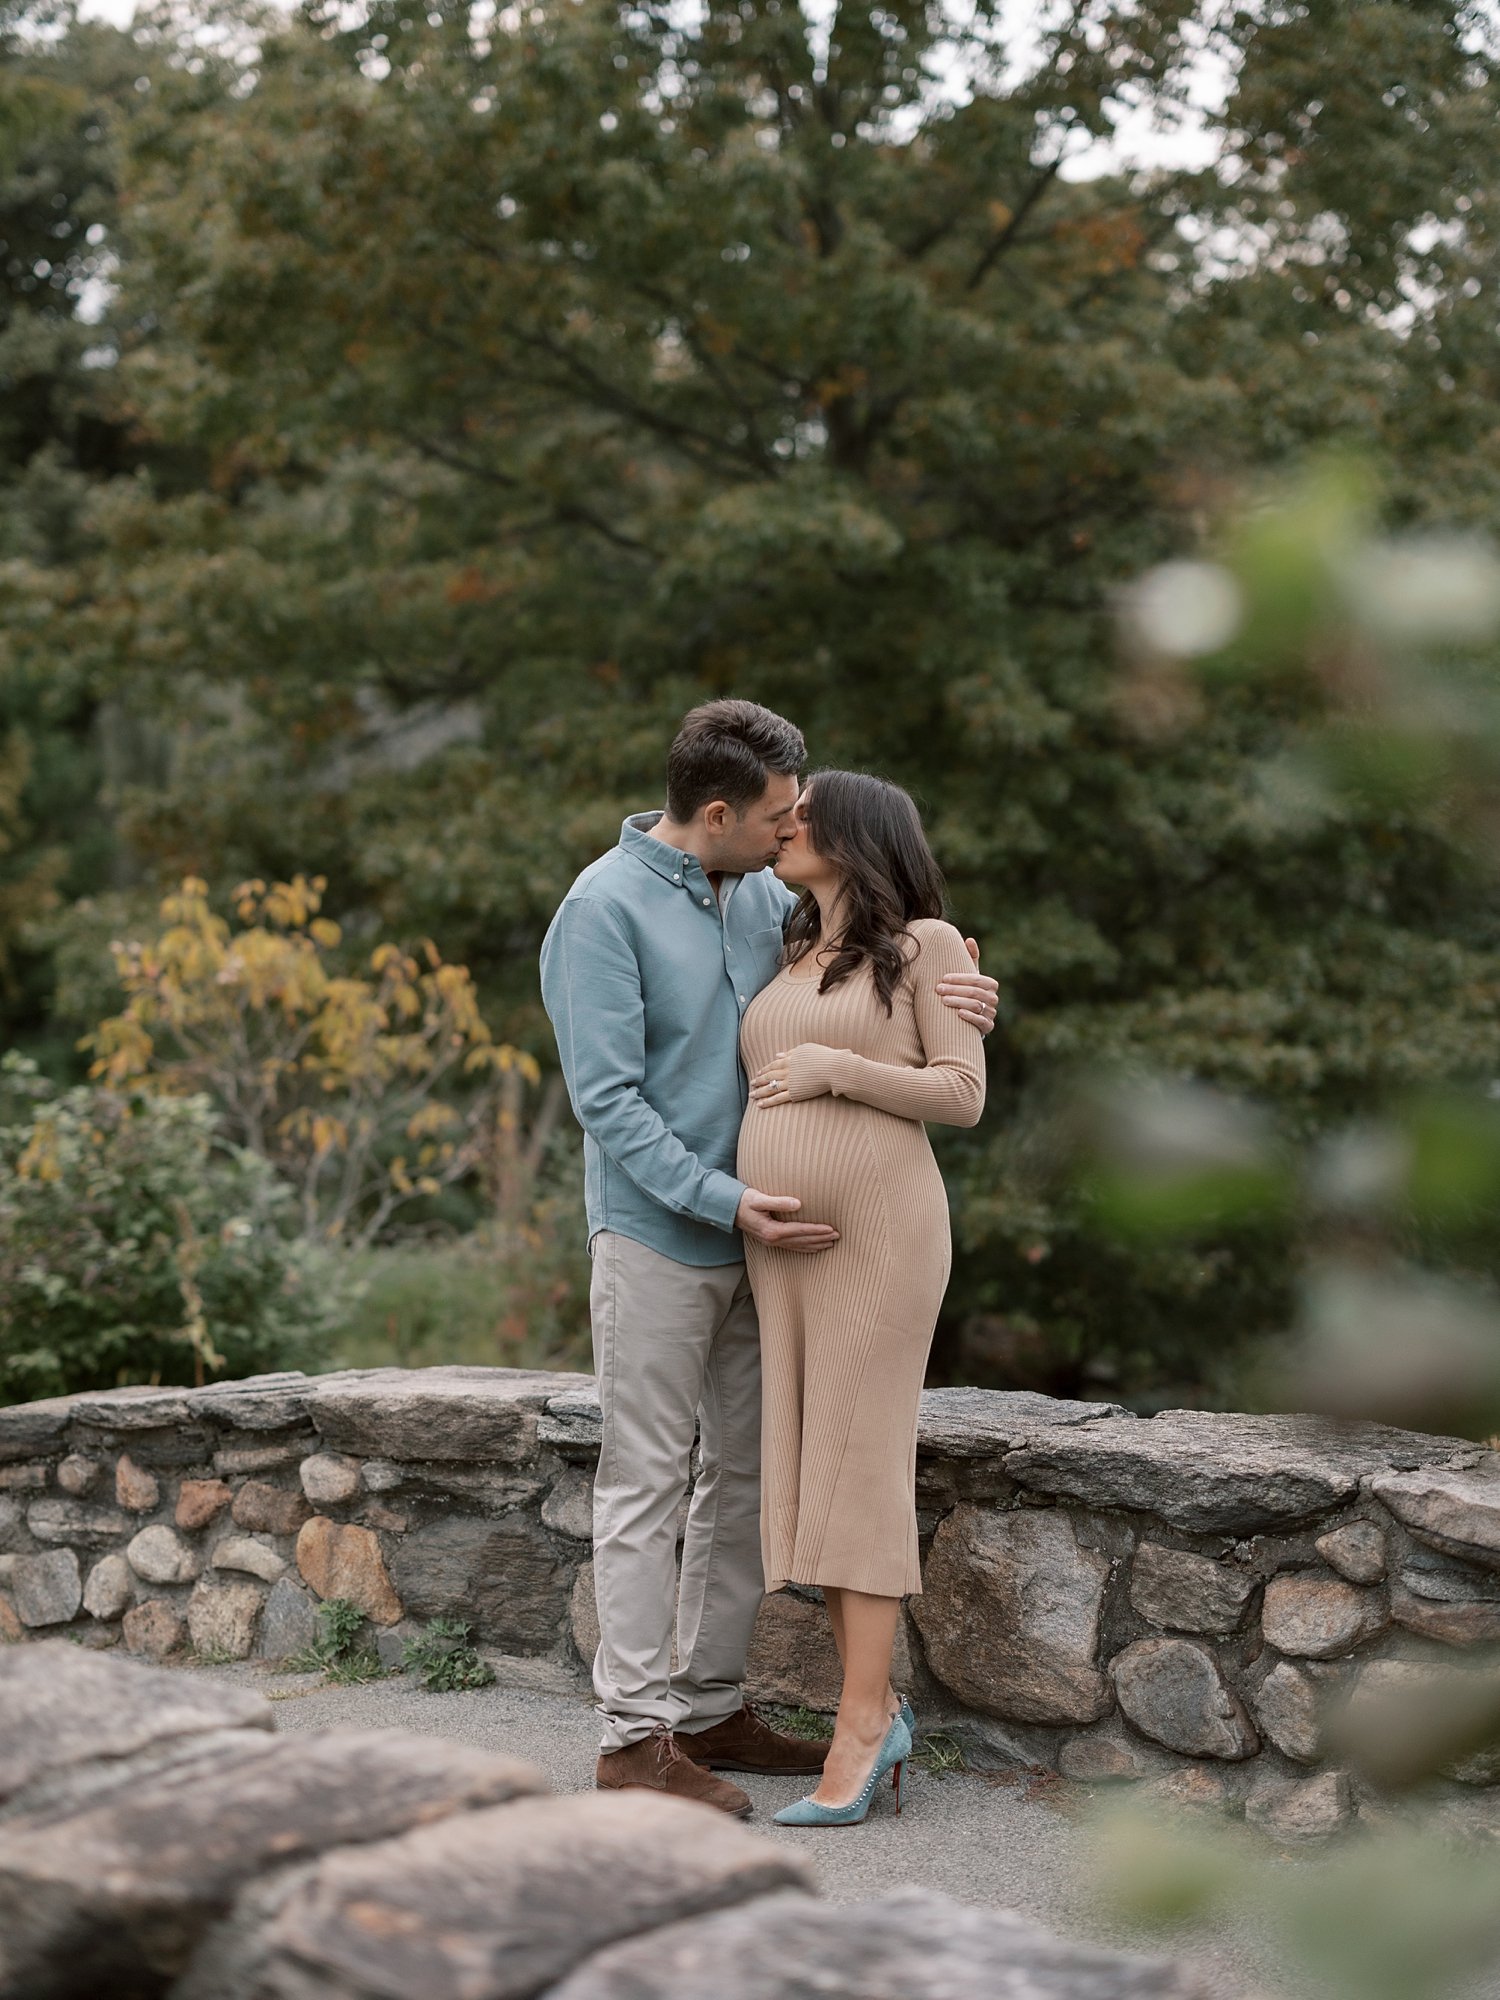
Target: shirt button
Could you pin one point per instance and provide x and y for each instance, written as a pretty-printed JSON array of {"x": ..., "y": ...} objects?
[
  {"x": 706, "y": 901},
  {"x": 742, "y": 999},
  {"x": 676, "y": 878}
]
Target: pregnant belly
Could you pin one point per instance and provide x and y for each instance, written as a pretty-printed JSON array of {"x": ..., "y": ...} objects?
[{"x": 847, "y": 1163}]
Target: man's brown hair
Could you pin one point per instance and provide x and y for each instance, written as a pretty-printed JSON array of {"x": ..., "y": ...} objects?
[{"x": 728, "y": 750}]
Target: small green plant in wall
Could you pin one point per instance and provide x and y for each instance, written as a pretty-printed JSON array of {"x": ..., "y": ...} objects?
[
  {"x": 442, "y": 1655},
  {"x": 337, "y": 1651}
]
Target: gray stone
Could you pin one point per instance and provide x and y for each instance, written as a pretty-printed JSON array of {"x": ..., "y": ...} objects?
[
  {"x": 1187, "y": 1592},
  {"x": 133, "y": 1408},
  {"x": 792, "y": 1656},
  {"x": 27, "y": 1430},
  {"x": 233, "y": 1460},
  {"x": 154, "y": 1629},
  {"x": 1287, "y": 1707},
  {"x": 1010, "y": 1615},
  {"x": 1212, "y": 1473},
  {"x": 244, "y": 1552},
  {"x": 583, "y": 1623},
  {"x": 257, "y": 1402},
  {"x": 1456, "y": 1511},
  {"x": 47, "y": 1588},
  {"x": 1099, "y": 1760},
  {"x": 289, "y": 1622},
  {"x": 7, "y": 1570},
  {"x": 485, "y": 1414},
  {"x": 11, "y": 1628},
  {"x": 497, "y": 1905},
  {"x": 22, "y": 1478},
  {"x": 570, "y": 1424},
  {"x": 60, "y": 1707},
  {"x": 136, "y": 1490},
  {"x": 983, "y": 1423},
  {"x": 76, "y": 1524},
  {"x": 12, "y": 1524},
  {"x": 909, "y": 1944},
  {"x": 489, "y": 1489},
  {"x": 378, "y": 1475},
  {"x": 110, "y": 1590},
  {"x": 390, "y": 1644},
  {"x": 1356, "y": 1551},
  {"x": 114, "y": 1896},
  {"x": 1173, "y": 1691},
  {"x": 1300, "y": 1808},
  {"x": 1193, "y": 1789},
  {"x": 329, "y": 1479},
  {"x": 1320, "y": 1617},
  {"x": 77, "y": 1474},
  {"x": 569, "y": 1508},
  {"x": 1447, "y": 1601},
  {"x": 506, "y": 1577},
  {"x": 160, "y": 1555},
  {"x": 221, "y": 1618}
]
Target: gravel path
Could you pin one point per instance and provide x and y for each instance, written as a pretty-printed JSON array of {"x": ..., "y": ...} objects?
[{"x": 975, "y": 1840}]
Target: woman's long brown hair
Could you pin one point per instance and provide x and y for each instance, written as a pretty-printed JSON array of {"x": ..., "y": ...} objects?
[{"x": 871, "y": 832}]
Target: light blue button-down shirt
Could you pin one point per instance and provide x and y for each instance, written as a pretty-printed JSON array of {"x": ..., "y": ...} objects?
[{"x": 645, "y": 975}]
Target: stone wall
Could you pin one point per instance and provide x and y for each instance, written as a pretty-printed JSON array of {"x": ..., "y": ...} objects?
[
  {"x": 157, "y": 1838},
  {"x": 1183, "y": 1601}
]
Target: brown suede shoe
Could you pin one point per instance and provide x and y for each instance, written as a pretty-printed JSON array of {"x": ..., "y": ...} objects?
[
  {"x": 744, "y": 1741},
  {"x": 655, "y": 1764}
]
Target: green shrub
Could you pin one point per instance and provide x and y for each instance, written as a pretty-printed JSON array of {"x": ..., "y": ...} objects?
[
  {"x": 340, "y": 1651},
  {"x": 442, "y": 1655},
  {"x": 134, "y": 1247}
]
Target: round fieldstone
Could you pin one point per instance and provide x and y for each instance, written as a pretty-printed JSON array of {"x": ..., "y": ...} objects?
[
  {"x": 1190, "y": 1790},
  {"x": 1287, "y": 1709},
  {"x": 569, "y": 1508},
  {"x": 200, "y": 1501},
  {"x": 153, "y": 1629},
  {"x": 1300, "y": 1808},
  {"x": 1356, "y": 1551},
  {"x": 378, "y": 1475},
  {"x": 47, "y": 1587},
  {"x": 1173, "y": 1691},
  {"x": 1320, "y": 1617},
  {"x": 289, "y": 1622},
  {"x": 110, "y": 1589},
  {"x": 160, "y": 1555},
  {"x": 329, "y": 1478},
  {"x": 136, "y": 1490},
  {"x": 77, "y": 1474},
  {"x": 243, "y": 1552}
]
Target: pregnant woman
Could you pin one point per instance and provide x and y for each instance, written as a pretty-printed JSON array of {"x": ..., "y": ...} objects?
[{"x": 849, "y": 1050}]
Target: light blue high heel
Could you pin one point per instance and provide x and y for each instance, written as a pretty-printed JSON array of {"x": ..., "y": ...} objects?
[
  {"x": 908, "y": 1717},
  {"x": 891, "y": 1756}
]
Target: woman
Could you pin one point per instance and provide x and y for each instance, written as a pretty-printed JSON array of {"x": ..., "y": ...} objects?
[{"x": 849, "y": 1050}]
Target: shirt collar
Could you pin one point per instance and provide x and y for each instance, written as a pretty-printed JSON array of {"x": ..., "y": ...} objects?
[{"x": 669, "y": 862}]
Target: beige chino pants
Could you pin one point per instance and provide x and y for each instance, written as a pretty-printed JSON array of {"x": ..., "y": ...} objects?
[{"x": 676, "y": 1349}]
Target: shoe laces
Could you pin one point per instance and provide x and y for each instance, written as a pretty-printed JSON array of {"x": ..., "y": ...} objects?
[{"x": 667, "y": 1751}]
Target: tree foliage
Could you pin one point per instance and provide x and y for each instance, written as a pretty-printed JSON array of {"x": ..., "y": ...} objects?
[{"x": 506, "y": 387}]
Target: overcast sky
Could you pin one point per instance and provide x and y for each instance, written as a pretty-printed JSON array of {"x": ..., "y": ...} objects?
[{"x": 1139, "y": 141}]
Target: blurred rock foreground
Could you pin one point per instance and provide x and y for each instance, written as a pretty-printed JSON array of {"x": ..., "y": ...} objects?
[
  {"x": 1209, "y": 1606},
  {"x": 157, "y": 1837}
]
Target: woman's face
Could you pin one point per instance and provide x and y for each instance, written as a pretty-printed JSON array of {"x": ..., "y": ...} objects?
[{"x": 799, "y": 861}]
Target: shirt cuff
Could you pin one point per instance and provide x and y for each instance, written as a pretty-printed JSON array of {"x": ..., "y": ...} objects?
[{"x": 719, "y": 1199}]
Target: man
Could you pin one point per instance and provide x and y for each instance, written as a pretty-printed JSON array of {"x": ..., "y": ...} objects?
[{"x": 647, "y": 967}]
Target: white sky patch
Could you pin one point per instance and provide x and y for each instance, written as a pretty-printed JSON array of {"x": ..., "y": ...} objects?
[{"x": 1142, "y": 136}]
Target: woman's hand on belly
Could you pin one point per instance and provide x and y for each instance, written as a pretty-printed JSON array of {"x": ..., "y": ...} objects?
[{"x": 793, "y": 1075}]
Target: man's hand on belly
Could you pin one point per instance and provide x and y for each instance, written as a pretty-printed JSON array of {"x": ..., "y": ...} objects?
[{"x": 760, "y": 1215}]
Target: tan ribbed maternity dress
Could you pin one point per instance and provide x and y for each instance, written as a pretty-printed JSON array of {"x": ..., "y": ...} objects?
[{"x": 845, "y": 1333}]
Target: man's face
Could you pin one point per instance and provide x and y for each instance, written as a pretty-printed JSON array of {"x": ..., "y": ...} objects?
[{"x": 743, "y": 843}]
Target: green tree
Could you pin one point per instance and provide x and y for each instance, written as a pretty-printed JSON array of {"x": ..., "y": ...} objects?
[{"x": 553, "y": 376}]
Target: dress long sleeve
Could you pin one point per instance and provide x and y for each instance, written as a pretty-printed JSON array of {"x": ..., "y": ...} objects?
[{"x": 948, "y": 1089}]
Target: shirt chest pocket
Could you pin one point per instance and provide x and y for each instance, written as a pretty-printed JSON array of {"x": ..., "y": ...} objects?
[{"x": 762, "y": 949}]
